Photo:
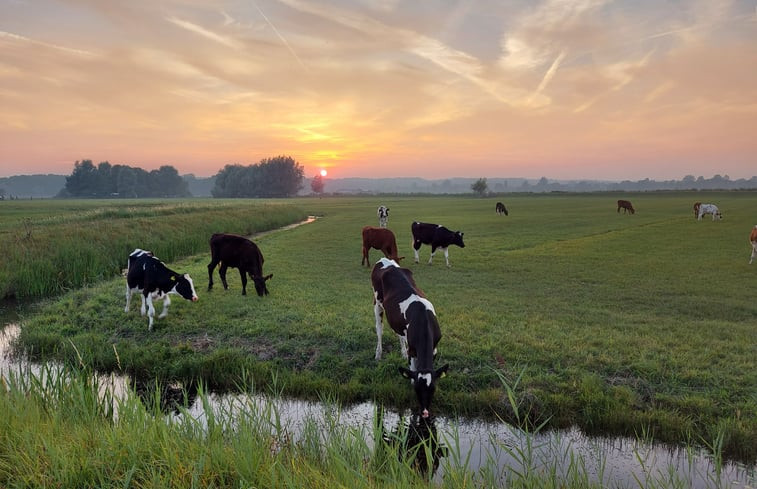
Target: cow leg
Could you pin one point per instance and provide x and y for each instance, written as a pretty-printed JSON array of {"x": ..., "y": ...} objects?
[
  {"x": 150, "y": 310},
  {"x": 378, "y": 312},
  {"x": 211, "y": 267},
  {"x": 416, "y": 247},
  {"x": 431, "y": 258},
  {"x": 166, "y": 303},
  {"x": 143, "y": 308},
  {"x": 446, "y": 255},
  {"x": 365, "y": 257},
  {"x": 128, "y": 297},
  {"x": 403, "y": 346},
  {"x": 222, "y": 274},
  {"x": 754, "y": 251},
  {"x": 243, "y": 276}
]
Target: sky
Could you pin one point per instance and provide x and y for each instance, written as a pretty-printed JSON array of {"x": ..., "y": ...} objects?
[{"x": 563, "y": 89}]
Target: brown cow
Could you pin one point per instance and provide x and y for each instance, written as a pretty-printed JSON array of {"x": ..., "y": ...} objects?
[
  {"x": 626, "y": 206},
  {"x": 380, "y": 239},
  {"x": 753, "y": 241},
  {"x": 697, "y": 205}
]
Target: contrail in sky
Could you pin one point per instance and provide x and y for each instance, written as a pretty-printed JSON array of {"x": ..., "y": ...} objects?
[{"x": 281, "y": 37}]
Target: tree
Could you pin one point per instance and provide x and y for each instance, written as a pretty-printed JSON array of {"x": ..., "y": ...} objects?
[
  {"x": 272, "y": 177},
  {"x": 480, "y": 187},
  {"x": 317, "y": 184}
]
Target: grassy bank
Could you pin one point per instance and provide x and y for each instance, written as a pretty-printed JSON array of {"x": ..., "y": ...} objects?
[
  {"x": 69, "y": 428},
  {"x": 617, "y": 323},
  {"x": 53, "y": 246}
]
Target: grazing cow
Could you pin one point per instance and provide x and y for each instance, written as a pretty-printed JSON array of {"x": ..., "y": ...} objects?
[
  {"x": 149, "y": 276},
  {"x": 437, "y": 236},
  {"x": 697, "y": 205},
  {"x": 383, "y": 215},
  {"x": 231, "y": 250},
  {"x": 705, "y": 209},
  {"x": 412, "y": 317},
  {"x": 626, "y": 206},
  {"x": 380, "y": 239},
  {"x": 753, "y": 242},
  {"x": 500, "y": 208}
]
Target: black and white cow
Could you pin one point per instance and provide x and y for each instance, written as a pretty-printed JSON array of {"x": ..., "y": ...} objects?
[
  {"x": 231, "y": 250},
  {"x": 500, "y": 208},
  {"x": 383, "y": 215},
  {"x": 155, "y": 281},
  {"x": 413, "y": 318},
  {"x": 437, "y": 236}
]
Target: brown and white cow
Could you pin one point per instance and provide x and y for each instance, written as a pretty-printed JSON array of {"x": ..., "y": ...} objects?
[
  {"x": 753, "y": 242},
  {"x": 697, "y": 205},
  {"x": 154, "y": 281},
  {"x": 626, "y": 206},
  {"x": 413, "y": 318},
  {"x": 231, "y": 250},
  {"x": 381, "y": 239},
  {"x": 705, "y": 209},
  {"x": 437, "y": 236}
]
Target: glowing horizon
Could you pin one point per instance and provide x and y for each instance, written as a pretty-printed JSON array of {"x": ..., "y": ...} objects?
[{"x": 566, "y": 89}]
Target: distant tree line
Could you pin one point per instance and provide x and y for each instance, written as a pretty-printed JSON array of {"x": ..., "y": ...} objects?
[
  {"x": 272, "y": 177},
  {"x": 122, "y": 181}
]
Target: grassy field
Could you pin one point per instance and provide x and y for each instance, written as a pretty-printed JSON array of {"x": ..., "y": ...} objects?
[
  {"x": 617, "y": 323},
  {"x": 54, "y": 245}
]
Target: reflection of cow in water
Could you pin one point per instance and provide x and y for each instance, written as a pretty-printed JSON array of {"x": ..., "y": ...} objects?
[
  {"x": 417, "y": 443},
  {"x": 626, "y": 206}
]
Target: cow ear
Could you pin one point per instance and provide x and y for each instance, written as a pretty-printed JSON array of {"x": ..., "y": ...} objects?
[
  {"x": 269, "y": 276},
  {"x": 441, "y": 372},
  {"x": 408, "y": 374}
]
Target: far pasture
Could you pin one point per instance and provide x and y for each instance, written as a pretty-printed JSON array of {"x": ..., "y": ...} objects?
[{"x": 620, "y": 323}]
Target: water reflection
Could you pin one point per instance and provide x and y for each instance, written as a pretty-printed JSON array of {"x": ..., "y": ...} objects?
[{"x": 416, "y": 442}]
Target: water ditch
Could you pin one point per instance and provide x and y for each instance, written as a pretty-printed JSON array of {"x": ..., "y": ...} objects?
[{"x": 478, "y": 446}]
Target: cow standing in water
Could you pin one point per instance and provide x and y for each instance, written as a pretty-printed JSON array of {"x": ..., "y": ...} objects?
[
  {"x": 435, "y": 235},
  {"x": 413, "y": 318},
  {"x": 626, "y": 206},
  {"x": 231, "y": 250},
  {"x": 149, "y": 276}
]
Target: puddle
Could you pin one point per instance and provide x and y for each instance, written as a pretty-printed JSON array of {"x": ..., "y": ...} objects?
[{"x": 477, "y": 446}]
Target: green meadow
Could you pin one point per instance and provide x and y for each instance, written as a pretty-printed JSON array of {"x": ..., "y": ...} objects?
[{"x": 621, "y": 324}]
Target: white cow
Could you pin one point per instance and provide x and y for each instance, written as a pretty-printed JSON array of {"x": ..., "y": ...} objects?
[
  {"x": 383, "y": 215},
  {"x": 705, "y": 209}
]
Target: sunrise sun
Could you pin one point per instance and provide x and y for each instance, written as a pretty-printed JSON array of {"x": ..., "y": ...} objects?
[{"x": 324, "y": 173}]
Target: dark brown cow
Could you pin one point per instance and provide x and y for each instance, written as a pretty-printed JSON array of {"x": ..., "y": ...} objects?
[
  {"x": 239, "y": 252},
  {"x": 626, "y": 206},
  {"x": 380, "y": 239}
]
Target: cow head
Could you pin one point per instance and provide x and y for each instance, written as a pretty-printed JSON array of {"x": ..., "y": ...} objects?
[
  {"x": 424, "y": 384},
  {"x": 259, "y": 282},
  {"x": 457, "y": 239},
  {"x": 185, "y": 287}
]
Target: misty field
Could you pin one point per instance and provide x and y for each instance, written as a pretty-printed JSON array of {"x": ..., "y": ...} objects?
[{"x": 617, "y": 323}]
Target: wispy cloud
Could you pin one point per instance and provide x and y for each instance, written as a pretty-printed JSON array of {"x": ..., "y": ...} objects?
[{"x": 207, "y": 34}]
